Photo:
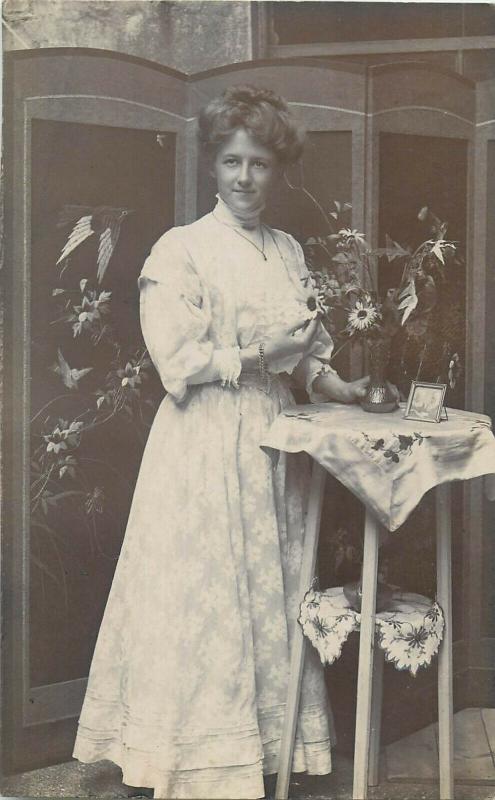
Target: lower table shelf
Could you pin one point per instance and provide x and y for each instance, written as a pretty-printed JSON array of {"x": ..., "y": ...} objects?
[{"x": 409, "y": 631}]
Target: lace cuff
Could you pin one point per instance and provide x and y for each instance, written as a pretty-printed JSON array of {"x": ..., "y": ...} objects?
[{"x": 313, "y": 368}]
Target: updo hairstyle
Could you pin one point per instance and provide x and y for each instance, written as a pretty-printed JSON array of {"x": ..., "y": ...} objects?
[{"x": 264, "y": 114}]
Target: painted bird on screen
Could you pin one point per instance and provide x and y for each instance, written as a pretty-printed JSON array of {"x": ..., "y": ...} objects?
[{"x": 102, "y": 220}]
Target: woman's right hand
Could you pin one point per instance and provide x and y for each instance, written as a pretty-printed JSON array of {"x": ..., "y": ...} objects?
[{"x": 295, "y": 338}]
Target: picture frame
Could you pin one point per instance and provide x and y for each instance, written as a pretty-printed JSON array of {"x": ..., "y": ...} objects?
[{"x": 425, "y": 401}]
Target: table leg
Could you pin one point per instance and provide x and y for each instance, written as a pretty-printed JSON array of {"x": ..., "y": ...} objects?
[
  {"x": 365, "y": 668},
  {"x": 312, "y": 530},
  {"x": 445, "y": 681},
  {"x": 376, "y": 716}
]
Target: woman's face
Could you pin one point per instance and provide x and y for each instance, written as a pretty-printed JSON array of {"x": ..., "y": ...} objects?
[{"x": 245, "y": 169}]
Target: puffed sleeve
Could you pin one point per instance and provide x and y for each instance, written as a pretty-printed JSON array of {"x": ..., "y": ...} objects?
[
  {"x": 316, "y": 361},
  {"x": 175, "y": 320}
]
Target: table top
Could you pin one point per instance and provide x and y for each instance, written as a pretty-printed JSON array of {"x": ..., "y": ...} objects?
[{"x": 387, "y": 461}]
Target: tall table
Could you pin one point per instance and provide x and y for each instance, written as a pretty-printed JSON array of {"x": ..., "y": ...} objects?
[{"x": 388, "y": 463}]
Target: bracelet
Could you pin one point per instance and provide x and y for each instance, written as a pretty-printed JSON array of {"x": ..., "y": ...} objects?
[{"x": 261, "y": 360}]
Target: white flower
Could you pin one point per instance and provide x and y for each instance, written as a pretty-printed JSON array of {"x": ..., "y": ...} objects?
[
  {"x": 259, "y": 603},
  {"x": 454, "y": 370},
  {"x": 275, "y": 627},
  {"x": 263, "y": 650},
  {"x": 294, "y": 557},
  {"x": 268, "y": 580},
  {"x": 316, "y": 304},
  {"x": 278, "y": 675},
  {"x": 362, "y": 317},
  {"x": 254, "y": 552},
  {"x": 352, "y": 236}
]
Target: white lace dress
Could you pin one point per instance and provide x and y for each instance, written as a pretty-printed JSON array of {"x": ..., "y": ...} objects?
[{"x": 188, "y": 681}]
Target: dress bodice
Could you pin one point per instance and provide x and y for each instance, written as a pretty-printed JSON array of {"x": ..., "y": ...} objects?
[{"x": 219, "y": 292}]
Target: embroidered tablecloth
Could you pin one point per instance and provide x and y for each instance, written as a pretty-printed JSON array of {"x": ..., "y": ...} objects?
[
  {"x": 388, "y": 462},
  {"x": 409, "y": 631}
]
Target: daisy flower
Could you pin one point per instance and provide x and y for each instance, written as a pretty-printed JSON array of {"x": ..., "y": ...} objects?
[
  {"x": 352, "y": 235},
  {"x": 316, "y": 304},
  {"x": 362, "y": 317}
]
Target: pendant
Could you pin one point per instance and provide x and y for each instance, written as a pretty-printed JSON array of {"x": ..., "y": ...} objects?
[{"x": 264, "y": 257}]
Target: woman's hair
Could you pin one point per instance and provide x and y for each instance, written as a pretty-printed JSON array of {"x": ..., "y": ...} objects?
[{"x": 264, "y": 114}]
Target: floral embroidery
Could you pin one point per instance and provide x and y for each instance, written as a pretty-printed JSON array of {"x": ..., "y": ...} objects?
[
  {"x": 479, "y": 424},
  {"x": 394, "y": 446},
  {"x": 409, "y": 633},
  {"x": 409, "y": 645}
]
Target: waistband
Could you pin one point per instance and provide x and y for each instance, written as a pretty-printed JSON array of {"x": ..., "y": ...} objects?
[{"x": 271, "y": 382}]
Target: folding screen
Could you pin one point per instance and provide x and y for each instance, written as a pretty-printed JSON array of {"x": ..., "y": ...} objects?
[{"x": 98, "y": 129}]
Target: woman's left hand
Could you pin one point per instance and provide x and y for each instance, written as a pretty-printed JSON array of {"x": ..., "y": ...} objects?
[{"x": 358, "y": 389}]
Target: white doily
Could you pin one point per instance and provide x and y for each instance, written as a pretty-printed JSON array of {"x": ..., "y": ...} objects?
[{"x": 409, "y": 631}]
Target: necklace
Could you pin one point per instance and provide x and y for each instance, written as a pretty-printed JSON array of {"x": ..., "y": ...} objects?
[{"x": 259, "y": 249}]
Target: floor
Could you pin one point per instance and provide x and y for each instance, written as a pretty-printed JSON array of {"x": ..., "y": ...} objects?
[
  {"x": 408, "y": 771},
  {"x": 474, "y": 760}
]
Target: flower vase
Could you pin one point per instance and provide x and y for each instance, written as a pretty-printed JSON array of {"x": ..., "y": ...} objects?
[{"x": 379, "y": 398}]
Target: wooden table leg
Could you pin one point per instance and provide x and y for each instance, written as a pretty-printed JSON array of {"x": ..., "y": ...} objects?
[
  {"x": 445, "y": 681},
  {"x": 365, "y": 668},
  {"x": 376, "y": 716},
  {"x": 310, "y": 550}
]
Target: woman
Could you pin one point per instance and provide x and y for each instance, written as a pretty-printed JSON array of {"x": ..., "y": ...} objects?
[{"x": 188, "y": 681}]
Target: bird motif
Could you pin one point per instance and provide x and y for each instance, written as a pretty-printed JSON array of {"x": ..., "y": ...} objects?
[
  {"x": 105, "y": 221},
  {"x": 70, "y": 376}
]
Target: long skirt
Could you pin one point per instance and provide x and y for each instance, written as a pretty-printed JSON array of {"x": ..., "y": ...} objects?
[{"x": 188, "y": 682}]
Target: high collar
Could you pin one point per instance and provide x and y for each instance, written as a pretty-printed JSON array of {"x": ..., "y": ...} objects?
[{"x": 235, "y": 218}]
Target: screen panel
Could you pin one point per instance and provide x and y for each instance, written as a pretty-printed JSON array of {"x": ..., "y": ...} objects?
[
  {"x": 78, "y": 521},
  {"x": 488, "y": 560}
]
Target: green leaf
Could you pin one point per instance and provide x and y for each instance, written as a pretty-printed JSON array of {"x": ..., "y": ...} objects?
[
  {"x": 437, "y": 250},
  {"x": 409, "y": 301},
  {"x": 393, "y": 249}
]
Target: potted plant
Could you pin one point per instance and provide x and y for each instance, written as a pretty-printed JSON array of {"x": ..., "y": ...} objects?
[{"x": 345, "y": 270}]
